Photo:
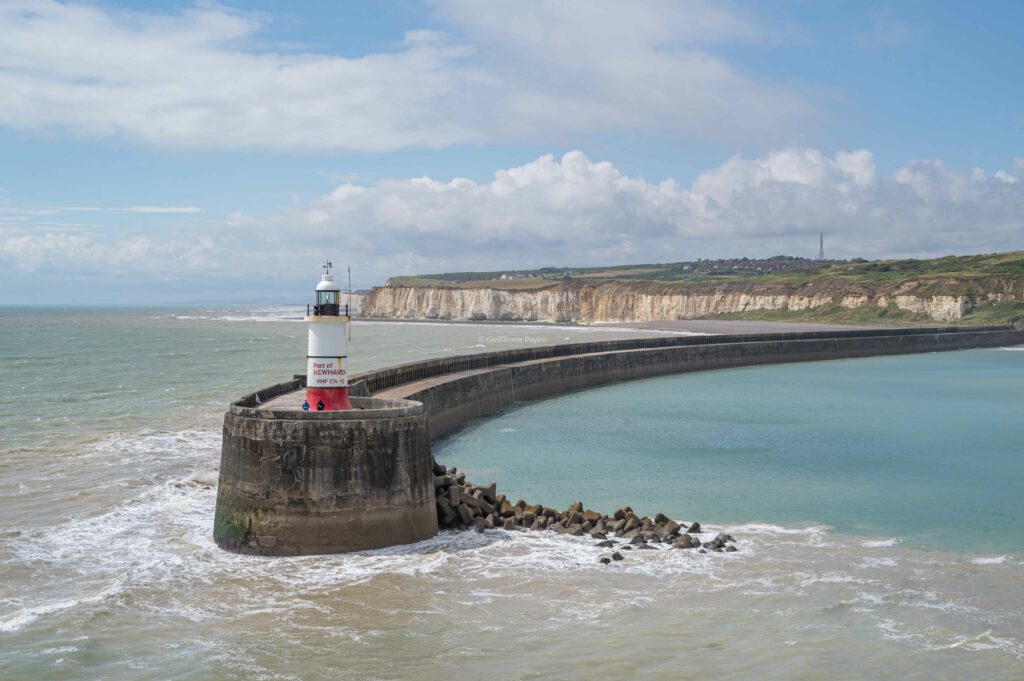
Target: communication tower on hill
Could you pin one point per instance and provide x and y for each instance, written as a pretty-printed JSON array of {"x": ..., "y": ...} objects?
[{"x": 821, "y": 246}]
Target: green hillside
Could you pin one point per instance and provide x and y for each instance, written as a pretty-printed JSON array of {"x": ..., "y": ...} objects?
[{"x": 780, "y": 269}]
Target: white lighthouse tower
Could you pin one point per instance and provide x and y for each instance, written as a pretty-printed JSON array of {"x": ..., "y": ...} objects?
[{"x": 326, "y": 373}]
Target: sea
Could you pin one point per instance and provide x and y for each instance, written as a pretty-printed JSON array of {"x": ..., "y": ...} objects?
[{"x": 878, "y": 507}]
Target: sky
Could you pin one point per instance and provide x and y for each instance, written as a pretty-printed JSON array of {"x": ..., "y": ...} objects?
[{"x": 173, "y": 152}]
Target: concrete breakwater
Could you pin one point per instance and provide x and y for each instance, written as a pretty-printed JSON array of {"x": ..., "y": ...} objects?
[
  {"x": 455, "y": 390},
  {"x": 461, "y": 505},
  {"x": 295, "y": 482}
]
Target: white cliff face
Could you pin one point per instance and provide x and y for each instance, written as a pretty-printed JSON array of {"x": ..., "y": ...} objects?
[
  {"x": 625, "y": 306},
  {"x": 551, "y": 304},
  {"x": 355, "y": 300},
  {"x": 645, "y": 301},
  {"x": 940, "y": 308}
]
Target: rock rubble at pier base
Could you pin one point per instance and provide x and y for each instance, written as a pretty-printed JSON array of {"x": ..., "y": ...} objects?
[{"x": 462, "y": 505}]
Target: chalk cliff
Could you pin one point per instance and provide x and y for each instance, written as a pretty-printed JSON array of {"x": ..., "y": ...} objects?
[{"x": 940, "y": 299}]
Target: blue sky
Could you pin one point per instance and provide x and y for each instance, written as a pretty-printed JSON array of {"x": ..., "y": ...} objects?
[{"x": 165, "y": 151}]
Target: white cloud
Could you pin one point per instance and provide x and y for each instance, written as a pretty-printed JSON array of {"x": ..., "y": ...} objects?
[
  {"x": 591, "y": 66},
  {"x": 62, "y": 253},
  {"x": 200, "y": 78},
  {"x": 575, "y": 211}
]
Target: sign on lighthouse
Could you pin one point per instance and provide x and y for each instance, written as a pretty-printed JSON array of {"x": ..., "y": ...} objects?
[{"x": 326, "y": 374}]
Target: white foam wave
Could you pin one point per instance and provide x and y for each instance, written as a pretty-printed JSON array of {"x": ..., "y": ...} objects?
[
  {"x": 983, "y": 642},
  {"x": 148, "y": 446},
  {"x": 878, "y": 562},
  {"x": 870, "y": 598},
  {"x": 989, "y": 560},
  {"x": 26, "y": 615},
  {"x": 767, "y": 528},
  {"x": 830, "y": 577},
  {"x": 930, "y": 600},
  {"x": 988, "y": 641},
  {"x": 1015, "y": 348},
  {"x": 817, "y": 536},
  {"x": 160, "y": 540},
  {"x": 879, "y": 543},
  {"x": 289, "y": 313},
  {"x": 893, "y": 630}
]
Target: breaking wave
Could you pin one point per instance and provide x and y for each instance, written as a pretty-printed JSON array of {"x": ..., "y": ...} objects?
[{"x": 152, "y": 554}]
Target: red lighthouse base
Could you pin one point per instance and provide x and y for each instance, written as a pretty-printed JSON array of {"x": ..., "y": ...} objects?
[{"x": 331, "y": 399}]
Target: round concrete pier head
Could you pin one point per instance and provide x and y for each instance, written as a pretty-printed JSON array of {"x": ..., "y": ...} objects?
[{"x": 294, "y": 482}]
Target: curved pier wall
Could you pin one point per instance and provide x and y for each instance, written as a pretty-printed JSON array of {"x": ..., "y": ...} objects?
[
  {"x": 450, "y": 404},
  {"x": 381, "y": 379},
  {"x": 294, "y": 483}
]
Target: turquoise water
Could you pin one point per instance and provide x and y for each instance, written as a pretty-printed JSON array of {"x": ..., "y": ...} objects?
[{"x": 928, "y": 449}]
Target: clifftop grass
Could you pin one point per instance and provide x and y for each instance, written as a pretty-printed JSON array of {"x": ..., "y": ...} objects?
[
  {"x": 881, "y": 273},
  {"x": 870, "y": 273}
]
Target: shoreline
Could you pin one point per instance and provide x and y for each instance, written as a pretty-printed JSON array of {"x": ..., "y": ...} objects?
[
  {"x": 666, "y": 326},
  {"x": 705, "y": 326},
  {"x": 569, "y": 326},
  {"x": 736, "y": 326}
]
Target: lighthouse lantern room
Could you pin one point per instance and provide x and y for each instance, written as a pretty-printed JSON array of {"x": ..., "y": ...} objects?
[{"x": 326, "y": 373}]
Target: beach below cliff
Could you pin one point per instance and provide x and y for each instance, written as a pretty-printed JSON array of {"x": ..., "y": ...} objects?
[
  {"x": 729, "y": 326},
  {"x": 664, "y": 326}
]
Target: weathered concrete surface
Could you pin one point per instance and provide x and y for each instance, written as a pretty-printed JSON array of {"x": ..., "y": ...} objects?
[
  {"x": 339, "y": 481},
  {"x": 455, "y": 398}
]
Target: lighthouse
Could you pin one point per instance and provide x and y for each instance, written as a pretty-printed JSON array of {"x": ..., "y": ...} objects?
[{"x": 326, "y": 373}]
